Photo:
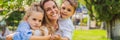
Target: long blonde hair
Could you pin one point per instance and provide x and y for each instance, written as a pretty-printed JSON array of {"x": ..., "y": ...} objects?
[{"x": 46, "y": 20}]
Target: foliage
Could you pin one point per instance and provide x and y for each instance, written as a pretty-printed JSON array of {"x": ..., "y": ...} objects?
[
  {"x": 13, "y": 10},
  {"x": 14, "y": 18},
  {"x": 103, "y": 10},
  {"x": 85, "y": 20}
]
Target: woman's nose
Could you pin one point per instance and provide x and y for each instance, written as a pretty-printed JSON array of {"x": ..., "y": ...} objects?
[{"x": 53, "y": 11}]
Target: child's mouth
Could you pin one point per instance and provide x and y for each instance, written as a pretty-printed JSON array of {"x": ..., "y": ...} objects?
[{"x": 63, "y": 14}]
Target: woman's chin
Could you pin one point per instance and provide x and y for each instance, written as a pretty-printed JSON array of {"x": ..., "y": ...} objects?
[{"x": 54, "y": 18}]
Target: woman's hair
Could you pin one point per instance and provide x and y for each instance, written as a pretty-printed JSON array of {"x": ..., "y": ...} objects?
[
  {"x": 46, "y": 21},
  {"x": 34, "y": 7},
  {"x": 73, "y": 3},
  {"x": 42, "y": 2}
]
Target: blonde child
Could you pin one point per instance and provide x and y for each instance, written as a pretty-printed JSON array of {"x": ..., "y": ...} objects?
[
  {"x": 30, "y": 28},
  {"x": 42, "y": 30}
]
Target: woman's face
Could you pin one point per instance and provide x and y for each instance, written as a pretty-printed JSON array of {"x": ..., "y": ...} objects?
[{"x": 51, "y": 10}]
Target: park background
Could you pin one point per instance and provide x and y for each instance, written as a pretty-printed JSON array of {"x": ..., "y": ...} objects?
[{"x": 93, "y": 20}]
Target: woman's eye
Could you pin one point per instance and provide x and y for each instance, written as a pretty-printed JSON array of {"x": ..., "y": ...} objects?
[
  {"x": 69, "y": 10},
  {"x": 54, "y": 6},
  {"x": 48, "y": 9}
]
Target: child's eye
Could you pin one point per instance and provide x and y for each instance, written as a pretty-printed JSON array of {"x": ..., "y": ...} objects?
[
  {"x": 40, "y": 20},
  {"x": 68, "y": 10},
  {"x": 34, "y": 19}
]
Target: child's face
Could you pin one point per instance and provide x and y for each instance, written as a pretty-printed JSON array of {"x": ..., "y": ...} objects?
[
  {"x": 66, "y": 10},
  {"x": 35, "y": 20}
]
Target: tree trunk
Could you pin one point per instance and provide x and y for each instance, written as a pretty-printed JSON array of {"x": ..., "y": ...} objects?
[
  {"x": 113, "y": 29},
  {"x": 116, "y": 29}
]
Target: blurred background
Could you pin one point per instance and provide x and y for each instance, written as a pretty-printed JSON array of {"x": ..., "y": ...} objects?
[{"x": 93, "y": 19}]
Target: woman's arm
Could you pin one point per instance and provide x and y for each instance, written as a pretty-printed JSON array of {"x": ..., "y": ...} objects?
[
  {"x": 58, "y": 37},
  {"x": 9, "y": 37},
  {"x": 40, "y": 37},
  {"x": 65, "y": 38}
]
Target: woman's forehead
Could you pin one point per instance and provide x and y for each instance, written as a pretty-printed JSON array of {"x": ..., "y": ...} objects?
[{"x": 49, "y": 4}]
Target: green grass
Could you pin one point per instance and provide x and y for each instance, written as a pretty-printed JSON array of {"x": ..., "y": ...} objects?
[{"x": 95, "y": 34}]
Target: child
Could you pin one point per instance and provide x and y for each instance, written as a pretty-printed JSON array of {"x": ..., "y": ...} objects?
[
  {"x": 42, "y": 31},
  {"x": 31, "y": 26},
  {"x": 67, "y": 9}
]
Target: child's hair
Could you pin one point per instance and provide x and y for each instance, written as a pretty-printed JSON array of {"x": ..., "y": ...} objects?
[
  {"x": 73, "y": 3},
  {"x": 35, "y": 7}
]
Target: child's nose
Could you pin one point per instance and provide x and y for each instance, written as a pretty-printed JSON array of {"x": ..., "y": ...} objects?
[
  {"x": 65, "y": 11},
  {"x": 37, "y": 22}
]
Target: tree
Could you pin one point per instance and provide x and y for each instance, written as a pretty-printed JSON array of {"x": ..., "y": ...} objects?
[
  {"x": 104, "y": 10},
  {"x": 13, "y": 10}
]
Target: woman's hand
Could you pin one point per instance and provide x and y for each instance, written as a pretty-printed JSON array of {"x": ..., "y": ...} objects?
[{"x": 55, "y": 37}]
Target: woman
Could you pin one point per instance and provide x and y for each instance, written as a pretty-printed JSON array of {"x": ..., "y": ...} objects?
[{"x": 52, "y": 15}]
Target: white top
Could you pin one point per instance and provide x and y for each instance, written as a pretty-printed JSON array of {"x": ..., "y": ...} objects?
[
  {"x": 38, "y": 32},
  {"x": 66, "y": 28}
]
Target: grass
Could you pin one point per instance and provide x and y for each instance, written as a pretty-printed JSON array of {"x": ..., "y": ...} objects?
[{"x": 95, "y": 34}]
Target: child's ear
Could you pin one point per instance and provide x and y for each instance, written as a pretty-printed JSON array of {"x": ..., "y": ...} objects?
[
  {"x": 25, "y": 18},
  {"x": 74, "y": 12}
]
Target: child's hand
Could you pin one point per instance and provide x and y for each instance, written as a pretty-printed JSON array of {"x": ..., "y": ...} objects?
[
  {"x": 55, "y": 37},
  {"x": 9, "y": 37}
]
